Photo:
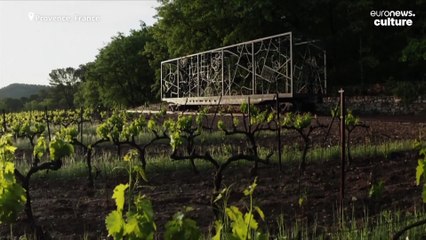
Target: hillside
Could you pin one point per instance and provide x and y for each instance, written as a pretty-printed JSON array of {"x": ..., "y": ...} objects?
[{"x": 18, "y": 90}]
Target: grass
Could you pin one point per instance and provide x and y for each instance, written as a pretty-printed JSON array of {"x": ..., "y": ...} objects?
[
  {"x": 317, "y": 154},
  {"x": 382, "y": 226},
  {"x": 108, "y": 164},
  {"x": 378, "y": 227}
]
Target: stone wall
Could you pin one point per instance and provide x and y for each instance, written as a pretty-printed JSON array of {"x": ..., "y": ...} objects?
[{"x": 387, "y": 105}]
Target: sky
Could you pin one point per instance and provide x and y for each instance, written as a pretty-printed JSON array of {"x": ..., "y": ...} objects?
[{"x": 39, "y": 36}]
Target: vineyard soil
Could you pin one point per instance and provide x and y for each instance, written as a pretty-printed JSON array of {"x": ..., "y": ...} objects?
[{"x": 67, "y": 209}]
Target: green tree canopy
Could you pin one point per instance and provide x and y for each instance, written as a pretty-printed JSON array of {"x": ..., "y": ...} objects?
[
  {"x": 64, "y": 82},
  {"x": 358, "y": 52},
  {"x": 120, "y": 74}
]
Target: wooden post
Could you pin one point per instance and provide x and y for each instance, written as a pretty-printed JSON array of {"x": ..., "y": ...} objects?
[
  {"x": 46, "y": 118},
  {"x": 342, "y": 151}
]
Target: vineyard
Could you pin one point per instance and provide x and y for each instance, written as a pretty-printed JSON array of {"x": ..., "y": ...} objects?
[{"x": 256, "y": 174}]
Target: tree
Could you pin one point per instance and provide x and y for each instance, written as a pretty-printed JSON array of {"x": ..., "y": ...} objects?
[
  {"x": 355, "y": 46},
  {"x": 415, "y": 51},
  {"x": 191, "y": 26},
  {"x": 185, "y": 27},
  {"x": 64, "y": 81},
  {"x": 87, "y": 94},
  {"x": 2, "y": 105},
  {"x": 12, "y": 104},
  {"x": 156, "y": 51},
  {"x": 121, "y": 72}
]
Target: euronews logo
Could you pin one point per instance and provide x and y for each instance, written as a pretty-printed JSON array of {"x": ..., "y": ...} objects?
[{"x": 392, "y": 18}]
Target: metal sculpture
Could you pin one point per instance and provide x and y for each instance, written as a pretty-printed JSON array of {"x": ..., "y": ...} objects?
[{"x": 258, "y": 69}]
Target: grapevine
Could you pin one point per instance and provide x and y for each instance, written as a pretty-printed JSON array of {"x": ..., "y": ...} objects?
[
  {"x": 12, "y": 195},
  {"x": 351, "y": 123},
  {"x": 56, "y": 150},
  {"x": 302, "y": 124}
]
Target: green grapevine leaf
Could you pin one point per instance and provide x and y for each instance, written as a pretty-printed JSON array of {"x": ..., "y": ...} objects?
[
  {"x": 218, "y": 226},
  {"x": 130, "y": 156},
  {"x": 423, "y": 152},
  {"x": 221, "y": 125},
  {"x": 145, "y": 206},
  {"x": 243, "y": 226},
  {"x": 10, "y": 149},
  {"x": 145, "y": 216},
  {"x": 102, "y": 130},
  {"x": 12, "y": 195},
  {"x": 271, "y": 117},
  {"x": 114, "y": 223},
  {"x": 118, "y": 195},
  {"x": 200, "y": 117},
  {"x": 419, "y": 171},
  {"x": 168, "y": 124},
  {"x": 351, "y": 120},
  {"x": 260, "y": 212},
  {"x": 58, "y": 149},
  {"x": 151, "y": 124},
  {"x": 239, "y": 228},
  {"x": 244, "y": 107},
  {"x": 250, "y": 221},
  {"x": 175, "y": 140},
  {"x": 7, "y": 150},
  {"x": 40, "y": 148},
  {"x": 302, "y": 121},
  {"x": 181, "y": 227},
  {"x": 233, "y": 213},
  {"x": 287, "y": 120},
  {"x": 132, "y": 227},
  {"x": 12, "y": 201},
  {"x": 235, "y": 121}
]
